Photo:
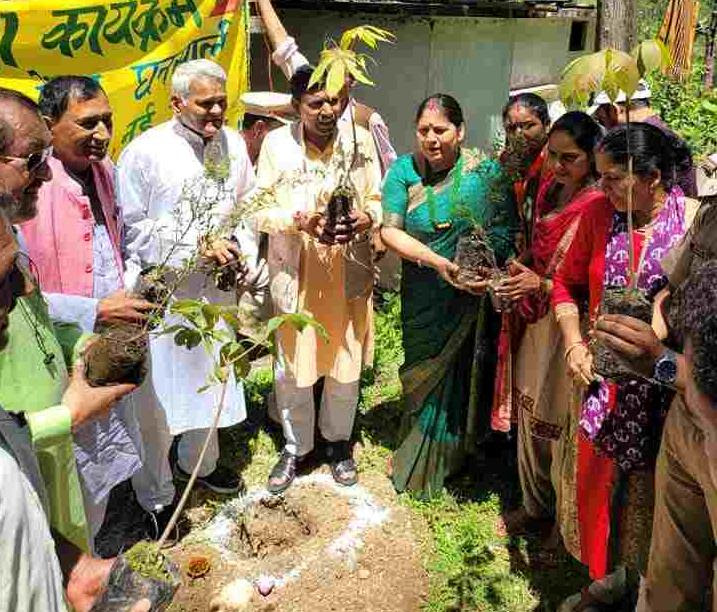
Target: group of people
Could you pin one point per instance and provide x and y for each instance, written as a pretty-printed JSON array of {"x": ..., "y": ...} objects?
[{"x": 622, "y": 472}]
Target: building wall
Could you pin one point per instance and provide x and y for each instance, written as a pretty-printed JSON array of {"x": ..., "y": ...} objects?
[{"x": 478, "y": 60}]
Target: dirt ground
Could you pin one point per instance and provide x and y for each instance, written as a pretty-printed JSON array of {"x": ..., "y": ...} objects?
[{"x": 315, "y": 542}]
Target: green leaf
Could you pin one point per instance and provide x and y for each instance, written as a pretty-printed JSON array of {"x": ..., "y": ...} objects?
[
  {"x": 241, "y": 367},
  {"x": 186, "y": 308},
  {"x": 188, "y": 338},
  {"x": 710, "y": 107},
  {"x": 609, "y": 70},
  {"x": 336, "y": 78},
  {"x": 211, "y": 314},
  {"x": 298, "y": 321},
  {"x": 367, "y": 34},
  {"x": 652, "y": 55},
  {"x": 220, "y": 373}
]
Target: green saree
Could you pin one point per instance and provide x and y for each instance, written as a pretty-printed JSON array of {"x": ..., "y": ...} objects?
[{"x": 448, "y": 335}]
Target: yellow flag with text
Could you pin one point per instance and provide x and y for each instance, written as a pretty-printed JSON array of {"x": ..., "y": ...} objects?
[{"x": 131, "y": 47}]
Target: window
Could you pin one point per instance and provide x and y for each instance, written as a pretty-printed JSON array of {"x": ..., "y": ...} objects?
[{"x": 578, "y": 35}]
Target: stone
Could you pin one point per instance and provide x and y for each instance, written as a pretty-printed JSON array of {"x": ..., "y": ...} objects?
[{"x": 234, "y": 597}]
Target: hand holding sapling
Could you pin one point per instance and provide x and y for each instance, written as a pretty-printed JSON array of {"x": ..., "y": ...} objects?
[
  {"x": 351, "y": 225},
  {"x": 633, "y": 340},
  {"x": 121, "y": 306},
  {"x": 521, "y": 283}
]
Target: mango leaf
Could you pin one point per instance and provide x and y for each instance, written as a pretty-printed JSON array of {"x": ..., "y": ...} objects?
[
  {"x": 582, "y": 77},
  {"x": 336, "y": 78},
  {"x": 609, "y": 70},
  {"x": 188, "y": 338},
  {"x": 652, "y": 55},
  {"x": 367, "y": 34},
  {"x": 621, "y": 68}
]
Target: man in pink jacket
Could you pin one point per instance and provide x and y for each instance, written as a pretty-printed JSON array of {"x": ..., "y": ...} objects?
[{"x": 74, "y": 243}]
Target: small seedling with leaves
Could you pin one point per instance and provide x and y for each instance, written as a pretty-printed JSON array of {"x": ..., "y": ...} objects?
[{"x": 338, "y": 62}]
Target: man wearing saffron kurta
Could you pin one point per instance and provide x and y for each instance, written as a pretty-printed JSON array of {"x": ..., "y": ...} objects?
[
  {"x": 74, "y": 243},
  {"x": 318, "y": 272},
  {"x": 157, "y": 176}
]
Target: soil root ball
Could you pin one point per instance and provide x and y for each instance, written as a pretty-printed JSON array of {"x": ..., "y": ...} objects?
[
  {"x": 126, "y": 587},
  {"x": 474, "y": 256},
  {"x": 617, "y": 300},
  {"x": 117, "y": 355}
]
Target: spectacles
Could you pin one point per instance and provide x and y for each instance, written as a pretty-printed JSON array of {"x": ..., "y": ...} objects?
[{"x": 34, "y": 161}]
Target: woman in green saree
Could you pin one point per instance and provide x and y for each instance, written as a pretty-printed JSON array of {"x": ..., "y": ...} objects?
[{"x": 430, "y": 199}]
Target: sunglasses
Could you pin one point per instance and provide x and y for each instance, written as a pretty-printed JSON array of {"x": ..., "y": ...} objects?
[{"x": 34, "y": 161}]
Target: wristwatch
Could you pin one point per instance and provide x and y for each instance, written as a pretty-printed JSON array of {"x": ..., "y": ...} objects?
[{"x": 665, "y": 371}]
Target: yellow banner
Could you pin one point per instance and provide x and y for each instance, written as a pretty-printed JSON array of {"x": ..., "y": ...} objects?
[{"x": 130, "y": 46}]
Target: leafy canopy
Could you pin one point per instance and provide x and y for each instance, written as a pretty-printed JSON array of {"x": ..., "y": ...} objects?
[
  {"x": 338, "y": 62},
  {"x": 612, "y": 71}
]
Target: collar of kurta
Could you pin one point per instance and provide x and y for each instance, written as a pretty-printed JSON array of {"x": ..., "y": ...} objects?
[
  {"x": 197, "y": 142},
  {"x": 311, "y": 151}
]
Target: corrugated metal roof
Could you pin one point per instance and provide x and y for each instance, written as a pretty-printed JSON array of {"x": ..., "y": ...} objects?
[{"x": 501, "y": 8}]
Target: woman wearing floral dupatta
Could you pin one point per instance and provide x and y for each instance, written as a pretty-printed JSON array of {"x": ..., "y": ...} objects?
[
  {"x": 429, "y": 200},
  {"x": 620, "y": 423},
  {"x": 541, "y": 386}
]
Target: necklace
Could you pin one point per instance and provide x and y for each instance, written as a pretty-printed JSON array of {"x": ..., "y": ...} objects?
[
  {"x": 48, "y": 356},
  {"x": 444, "y": 224}
]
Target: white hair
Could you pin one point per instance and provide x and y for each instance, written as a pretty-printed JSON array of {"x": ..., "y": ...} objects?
[{"x": 189, "y": 71}]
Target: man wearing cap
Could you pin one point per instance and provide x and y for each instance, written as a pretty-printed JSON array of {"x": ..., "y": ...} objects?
[{"x": 610, "y": 115}]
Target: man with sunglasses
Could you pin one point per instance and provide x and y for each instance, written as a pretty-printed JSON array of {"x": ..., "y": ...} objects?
[
  {"x": 74, "y": 243},
  {"x": 37, "y": 464}
]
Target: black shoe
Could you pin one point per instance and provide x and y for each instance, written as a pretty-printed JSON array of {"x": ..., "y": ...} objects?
[
  {"x": 156, "y": 521},
  {"x": 343, "y": 466},
  {"x": 221, "y": 480},
  {"x": 283, "y": 473}
]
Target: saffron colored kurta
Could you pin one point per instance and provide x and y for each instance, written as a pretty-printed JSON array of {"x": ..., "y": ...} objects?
[{"x": 309, "y": 277}]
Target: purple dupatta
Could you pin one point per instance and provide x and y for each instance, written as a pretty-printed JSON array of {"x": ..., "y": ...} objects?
[{"x": 630, "y": 432}]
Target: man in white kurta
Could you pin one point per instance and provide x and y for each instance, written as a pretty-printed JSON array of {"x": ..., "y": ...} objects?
[
  {"x": 331, "y": 282},
  {"x": 154, "y": 172}
]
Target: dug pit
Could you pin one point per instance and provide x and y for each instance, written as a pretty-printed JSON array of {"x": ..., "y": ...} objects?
[{"x": 272, "y": 526}]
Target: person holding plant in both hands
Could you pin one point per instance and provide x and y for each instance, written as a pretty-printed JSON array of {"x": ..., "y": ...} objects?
[
  {"x": 320, "y": 265},
  {"x": 620, "y": 422},
  {"x": 431, "y": 199},
  {"x": 541, "y": 386}
]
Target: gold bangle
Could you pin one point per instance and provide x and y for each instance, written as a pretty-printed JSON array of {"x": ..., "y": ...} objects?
[{"x": 571, "y": 348}]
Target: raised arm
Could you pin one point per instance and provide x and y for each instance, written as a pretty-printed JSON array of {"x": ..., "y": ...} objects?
[{"x": 286, "y": 53}]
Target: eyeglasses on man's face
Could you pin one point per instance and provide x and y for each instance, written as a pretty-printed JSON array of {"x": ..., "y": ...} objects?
[{"x": 34, "y": 161}]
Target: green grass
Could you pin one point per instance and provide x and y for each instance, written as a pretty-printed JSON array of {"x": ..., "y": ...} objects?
[{"x": 470, "y": 565}]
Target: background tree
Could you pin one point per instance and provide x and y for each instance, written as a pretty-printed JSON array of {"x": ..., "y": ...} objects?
[{"x": 617, "y": 24}]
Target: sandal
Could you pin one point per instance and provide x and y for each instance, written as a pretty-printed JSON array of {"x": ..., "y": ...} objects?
[
  {"x": 343, "y": 466},
  {"x": 283, "y": 473}
]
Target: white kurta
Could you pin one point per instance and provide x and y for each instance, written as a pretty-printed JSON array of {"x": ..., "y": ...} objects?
[{"x": 152, "y": 174}]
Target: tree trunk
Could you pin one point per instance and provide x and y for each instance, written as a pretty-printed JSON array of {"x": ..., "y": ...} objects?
[
  {"x": 617, "y": 21},
  {"x": 709, "y": 79}
]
